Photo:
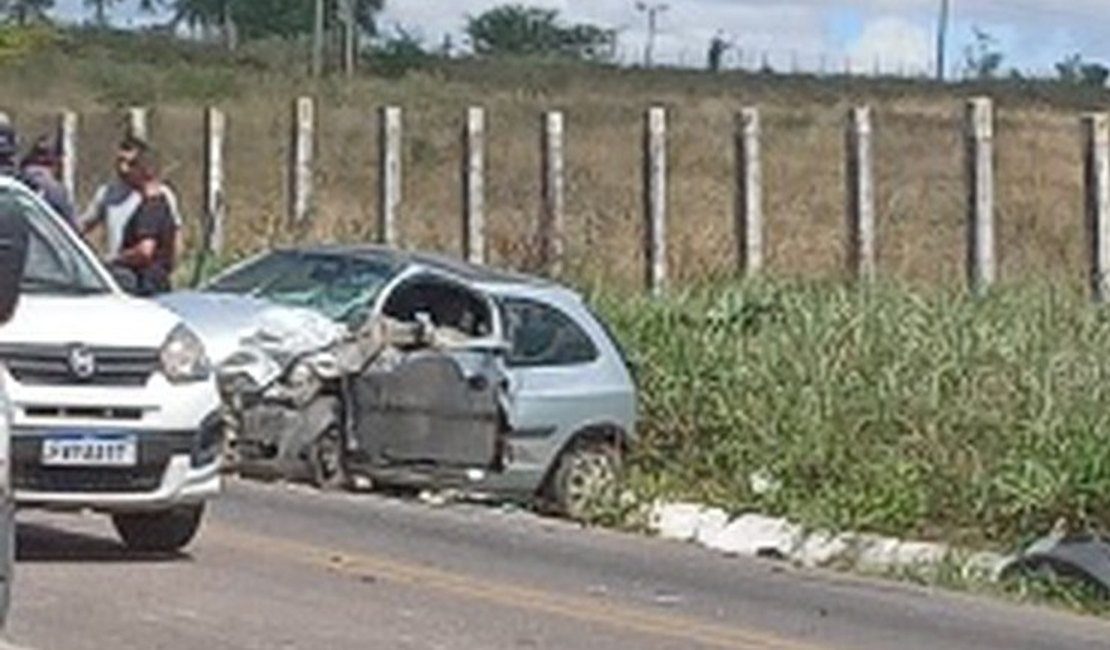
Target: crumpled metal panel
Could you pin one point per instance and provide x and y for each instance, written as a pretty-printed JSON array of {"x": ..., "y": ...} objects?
[
  {"x": 1084, "y": 557},
  {"x": 428, "y": 407},
  {"x": 282, "y": 435}
]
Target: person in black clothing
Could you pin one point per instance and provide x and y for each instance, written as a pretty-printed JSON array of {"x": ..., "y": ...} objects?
[{"x": 149, "y": 239}]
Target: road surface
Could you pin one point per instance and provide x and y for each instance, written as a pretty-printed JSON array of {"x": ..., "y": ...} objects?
[{"x": 287, "y": 568}]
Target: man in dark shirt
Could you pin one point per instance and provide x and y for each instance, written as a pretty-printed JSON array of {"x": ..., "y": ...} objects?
[{"x": 149, "y": 238}]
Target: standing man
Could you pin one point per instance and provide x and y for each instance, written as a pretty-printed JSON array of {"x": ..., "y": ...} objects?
[
  {"x": 117, "y": 201},
  {"x": 148, "y": 240},
  {"x": 39, "y": 170},
  {"x": 9, "y": 146}
]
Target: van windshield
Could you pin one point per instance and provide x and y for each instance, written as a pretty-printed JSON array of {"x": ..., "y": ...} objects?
[{"x": 55, "y": 264}]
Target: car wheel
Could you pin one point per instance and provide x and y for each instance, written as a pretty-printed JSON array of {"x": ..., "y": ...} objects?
[
  {"x": 164, "y": 531},
  {"x": 584, "y": 485},
  {"x": 325, "y": 459}
]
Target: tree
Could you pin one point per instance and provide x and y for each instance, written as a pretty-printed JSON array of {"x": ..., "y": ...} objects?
[
  {"x": 516, "y": 30},
  {"x": 24, "y": 11},
  {"x": 100, "y": 8},
  {"x": 982, "y": 59},
  {"x": 1095, "y": 74},
  {"x": 392, "y": 55},
  {"x": 265, "y": 18},
  {"x": 1075, "y": 70}
]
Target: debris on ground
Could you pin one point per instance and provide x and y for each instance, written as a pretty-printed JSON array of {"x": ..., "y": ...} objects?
[{"x": 1083, "y": 557}]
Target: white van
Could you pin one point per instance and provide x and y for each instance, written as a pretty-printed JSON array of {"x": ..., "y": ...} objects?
[
  {"x": 114, "y": 407},
  {"x": 13, "y": 254}
]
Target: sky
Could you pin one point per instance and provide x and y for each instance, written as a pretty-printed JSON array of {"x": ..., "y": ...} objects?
[{"x": 893, "y": 35}]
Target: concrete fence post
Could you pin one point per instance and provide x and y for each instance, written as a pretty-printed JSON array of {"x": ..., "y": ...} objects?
[
  {"x": 389, "y": 173},
  {"x": 67, "y": 139},
  {"x": 553, "y": 185},
  {"x": 474, "y": 163},
  {"x": 215, "y": 204},
  {"x": 300, "y": 177},
  {"x": 1096, "y": 188},
  {"x": 980, "y": 194},
  {"x": 655, "y": 198},
  {"x": 749, "y": 192},
  {"x": 861, "y": 194},
  {"x": 137, "y": 123}
]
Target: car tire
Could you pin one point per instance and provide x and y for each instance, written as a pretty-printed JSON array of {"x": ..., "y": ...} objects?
[
  {"x": 584, "y": 484},
  {"x": 326, "y": 462},
  {"x": 163, "y": 531}
]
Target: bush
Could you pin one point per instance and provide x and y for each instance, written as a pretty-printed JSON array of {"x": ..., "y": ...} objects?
[
  {"x": 882, "y": 410},
  {"x": 21, "y": 42},
  {"x": 396, "y": 55}
]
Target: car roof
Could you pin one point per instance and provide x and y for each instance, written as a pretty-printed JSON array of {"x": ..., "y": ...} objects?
[{"x": 486, "y": 276}]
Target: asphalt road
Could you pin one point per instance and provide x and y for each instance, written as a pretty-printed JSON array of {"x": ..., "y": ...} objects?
[{"x": 283, "y": 568}]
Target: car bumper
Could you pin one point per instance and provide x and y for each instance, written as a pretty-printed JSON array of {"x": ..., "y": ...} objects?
[
  {"x": 171, "y": 468},
  {"x": 180, "y": 484}
]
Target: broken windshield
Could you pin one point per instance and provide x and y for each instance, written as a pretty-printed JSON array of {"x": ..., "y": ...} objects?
[{"x": 340, "y": 287}]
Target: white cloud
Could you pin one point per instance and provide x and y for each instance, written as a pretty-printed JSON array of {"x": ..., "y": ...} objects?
[{"x": 892, "y": 44}]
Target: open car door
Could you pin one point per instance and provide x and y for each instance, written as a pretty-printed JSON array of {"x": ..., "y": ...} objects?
[
  {"x": 432, "y": 408},
  {"x": 437, "y": 406}
]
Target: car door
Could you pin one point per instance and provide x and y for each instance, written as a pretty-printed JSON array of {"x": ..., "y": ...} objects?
[{"x": 433, "y": 405}]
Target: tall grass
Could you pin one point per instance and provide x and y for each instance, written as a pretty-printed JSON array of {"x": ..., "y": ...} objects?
[{"x": 884, "y": 409}]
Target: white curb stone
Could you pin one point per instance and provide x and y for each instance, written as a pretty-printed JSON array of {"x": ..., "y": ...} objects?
[
  {"x": 757, "y": 535},
  {"x": 677, "y": 521}
]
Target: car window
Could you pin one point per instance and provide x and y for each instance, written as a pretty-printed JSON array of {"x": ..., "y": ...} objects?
[
  {"x": 337, "y": 286},
  {"x": 55, "y": 264},
  {"x": 447, "y": 304},
  {"x": 542, "y": 335}
]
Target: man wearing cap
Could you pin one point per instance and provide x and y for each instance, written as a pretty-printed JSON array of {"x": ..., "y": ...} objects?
[
  {"x": 39, "y": 170},
  {"x": 117, "y": 201},
  {"x": 9, "y": 146}
]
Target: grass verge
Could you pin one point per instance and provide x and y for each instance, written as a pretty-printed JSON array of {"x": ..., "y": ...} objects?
[{"x": 925, "y": 415}]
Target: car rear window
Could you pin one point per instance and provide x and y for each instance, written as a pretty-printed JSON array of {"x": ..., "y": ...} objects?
[{"x": 542, "y": 335}]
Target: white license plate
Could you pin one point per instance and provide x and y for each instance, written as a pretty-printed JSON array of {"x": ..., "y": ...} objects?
[{"x": 90, "y": 451}]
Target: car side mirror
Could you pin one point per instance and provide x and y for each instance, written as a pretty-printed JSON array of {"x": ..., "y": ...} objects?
[
  {"x": 125, "y": 278},
  {"x": 14, "y": 238}
]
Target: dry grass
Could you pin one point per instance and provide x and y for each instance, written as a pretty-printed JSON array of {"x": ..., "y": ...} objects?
[{"x": 920, "y": 189}]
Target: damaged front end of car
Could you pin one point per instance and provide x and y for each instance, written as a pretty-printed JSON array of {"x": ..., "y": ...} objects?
[{"x": 305, "y": 399}]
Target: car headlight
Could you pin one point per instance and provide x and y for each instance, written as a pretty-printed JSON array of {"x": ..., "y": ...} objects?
[{"x": 183, "y": 357}]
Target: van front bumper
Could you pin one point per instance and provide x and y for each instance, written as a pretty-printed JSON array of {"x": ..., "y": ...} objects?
[{"x": 172, "y": 468}]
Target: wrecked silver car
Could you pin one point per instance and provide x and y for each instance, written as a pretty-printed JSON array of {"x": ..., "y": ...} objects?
[{"x": 415, "y": 369}]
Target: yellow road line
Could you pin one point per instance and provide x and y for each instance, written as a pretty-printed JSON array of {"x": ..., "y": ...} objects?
[{"x": 575, "y": 608}]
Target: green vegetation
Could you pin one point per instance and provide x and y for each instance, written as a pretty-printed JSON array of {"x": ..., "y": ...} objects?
[
  {"x": 927, "y": 415},
  {"x": 517, "y": 30}
]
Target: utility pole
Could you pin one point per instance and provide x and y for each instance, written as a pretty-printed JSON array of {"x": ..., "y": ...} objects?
[
  {"x": 652, "y": 10},
  {"x": 350, "y": 36},
  {"x": 318, "y": 41},
  {"x": 942, "y": 38}
]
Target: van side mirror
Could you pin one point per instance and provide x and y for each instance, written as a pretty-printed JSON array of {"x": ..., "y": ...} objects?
[
  {"x": 126, "y": 278},
  {"x": 14, "y": 237}
]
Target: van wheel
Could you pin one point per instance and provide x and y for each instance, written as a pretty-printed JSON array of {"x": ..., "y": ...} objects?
[
  {"x": 584, "y": 485},
  {"x": 164, "y": 531},
  {"x": 325, "y": 459}
]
